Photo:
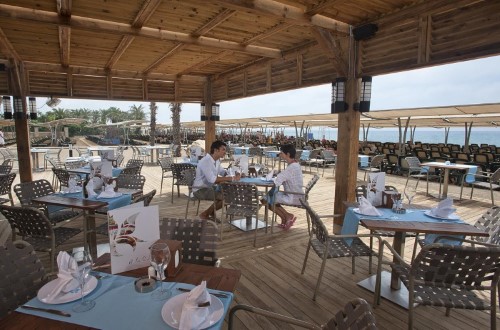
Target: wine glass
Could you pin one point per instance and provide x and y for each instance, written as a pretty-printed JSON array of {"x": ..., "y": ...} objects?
[
  {"x": 410, "y": 192},
  {"x": 80, "y": 265},
  {"x": 257, "y": 168},
  {"x": 160, "y": 257}
]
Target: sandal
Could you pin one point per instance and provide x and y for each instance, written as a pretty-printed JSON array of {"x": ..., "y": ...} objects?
[{"x": 289, "y": 223}]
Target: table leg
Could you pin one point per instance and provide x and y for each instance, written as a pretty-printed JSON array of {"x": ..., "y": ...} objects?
[
  {"x": 445, "y": 182},
  {"x": 399, "y": 246},
  {"x": 89, "y": 233}
]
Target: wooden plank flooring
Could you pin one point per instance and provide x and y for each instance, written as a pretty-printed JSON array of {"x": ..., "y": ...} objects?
[{"x": 271, "y": 272}]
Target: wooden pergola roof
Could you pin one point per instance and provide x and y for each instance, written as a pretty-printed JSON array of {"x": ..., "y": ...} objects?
[{"x": 154, "y": 50}]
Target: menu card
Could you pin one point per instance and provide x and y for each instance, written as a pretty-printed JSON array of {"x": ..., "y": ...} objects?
[
  {"x": 132, "y": 230},
  {"x": 375, "y": 187}
]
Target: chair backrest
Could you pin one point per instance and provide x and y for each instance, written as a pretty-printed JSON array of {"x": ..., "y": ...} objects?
[
  {"x": 135, "y": 163},
  {"x": 189, "y": 175},
  {"x": 130, "y": 181},
  {"x": 146, "y": 198},
  {"x": 74, "y": 164},
  {"x": 377, "y": 161},
  {"x": 357, "y": 314},
  {"x": 178, "y": 175},
  {"x": 240, "y": 198},
  {"x": 22, "y": 275},
  {"x": 328, "y": 155},
  {"x": 457, "y": 266},
  {"x": 166, "y": 163},
  {"x": 490, "y": 223},
  {"x": 5, "y": 169},
  {"x": 481, "y": 158},
  {"x": 6, "y": 181},
  {"x": 198, "y": 237},
  {"x": 393, "y": 159},
  {"x": 26, "y": 191},
  {"x": 28, "y": 222},
  {"x": 119, "y": 160},
  {"x": 310, "y": 185},
  {"x": 495, "y": 177},
  {"x": 318, "y": 232},
  {"x": 62, "y": 175},
  {"x": 413, "y": 162},
  {"x": 131, "y": 170}
]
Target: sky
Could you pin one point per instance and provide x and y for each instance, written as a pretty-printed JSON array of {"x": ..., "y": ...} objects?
[{"x": 470, "y": 82}]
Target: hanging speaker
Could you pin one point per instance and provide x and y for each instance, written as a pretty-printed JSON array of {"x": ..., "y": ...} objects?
[{"x": 364, "y": 32}]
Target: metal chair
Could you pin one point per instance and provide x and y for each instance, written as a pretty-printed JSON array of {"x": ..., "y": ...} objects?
[
  {"x": 130, "y": 181},
  {"x": 241, "y": 199},
  {"x": 22, "y": 275},
  {"x": 35, "y": 228},
  {"x": 357, "y": 314},
  {"x": 166, "y": 166},
  {"x": 491, "y": 182},
  {"x": 316, "y": 159},
  {"x": 375, "y": 165},
  {"x": 198, "y": 237},
  {"x": 328, "y": 246},
  {"x": 189, "y": 176},
  {"x": 26, "y": 191},
  {"x": 304, "y": 196},
  {"x": 329, "y": 159},
  {"x": 450, "y": 276},
  {"x": 146, "y": 198},
  {"x": 178, "y": 178},
  {"x": 5, "y": 169},
  {"x": 135, "y": 163},
  {"x": 418, "y": 172},
  {"x": 6, "y": 181},
  {"x": 62, "y": 176}
]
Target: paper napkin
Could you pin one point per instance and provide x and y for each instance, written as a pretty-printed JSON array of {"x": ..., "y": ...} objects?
[
  {"x": 193, "y": 316},
  {"x": 444, "y": 209},
  {"x": 90, "y": 188},
  {"x": 65, "y": 281},
  {"x": 109, "y": 192},
  {"x": 366, "y": 208},
  {"x": 269, "y": 176}
]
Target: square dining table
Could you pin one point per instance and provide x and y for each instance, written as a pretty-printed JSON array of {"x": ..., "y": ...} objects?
[
  {"x": 120, "y": 306},
  {"x": 470, "y": 171},
  {"x": 414, "y": 221}
]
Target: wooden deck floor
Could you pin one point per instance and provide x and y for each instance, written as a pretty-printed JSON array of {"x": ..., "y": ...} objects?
[{"x": 271, "y": 272}]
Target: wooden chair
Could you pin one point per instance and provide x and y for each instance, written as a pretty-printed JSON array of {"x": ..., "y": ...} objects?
[
  {"x": 22, "y": 275},
  {"x": 166, "y": 166},
  {"x": 26, "y": 191},
  {"x": 328, "y": 246},
  {"x": 6, "y": 181},
  {"x": 198, "y": 237},
  {"x": 35, "y": 228},
  {"x": 357, "y": 314},
  {"x": 450, "y": 276},
  {"x": 178, "y": 178},
  {"x": 240, "y": 199}
]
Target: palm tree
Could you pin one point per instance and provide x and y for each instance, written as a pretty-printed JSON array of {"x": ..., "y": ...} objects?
[
  {"x": 176, "y": 126},
  {"x": 137, "y": 112},
  {"x": 152, "y": 109}
]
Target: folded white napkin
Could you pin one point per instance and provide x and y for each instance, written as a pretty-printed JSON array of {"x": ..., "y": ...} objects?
[
  {"x": 65, "y": 281},
  {"x": 106, "y": 168},
  {"x": 90, "y": 188},
  {"x": 269, "y": 176},
  {"x": 109, "y": 192},
  {"x": 444, "y": 209},
  {"x": 193, "y": 316},
  {"x": 366, "y": 208}
]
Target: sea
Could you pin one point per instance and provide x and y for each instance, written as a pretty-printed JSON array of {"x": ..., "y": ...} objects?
[{"x": 425, "y": 135}]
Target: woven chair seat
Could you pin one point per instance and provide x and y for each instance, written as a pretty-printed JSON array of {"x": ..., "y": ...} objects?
[
  {"x": 338, "y": 247},
  {"x": 244, "y": 210},
  {"x": 62, "y": 234},
  {"x": 442, "y": 296},
  {"x": 63, "y": 215}
]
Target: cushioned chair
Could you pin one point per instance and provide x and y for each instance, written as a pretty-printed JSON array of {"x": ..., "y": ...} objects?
[
  {"x": 450, "y": 276},
  {"x": 22, "y": 275},
  {"x": 198, "y": 237},
  {"x": 357, "y": 314},
  {"x": 35, "y": 228},
  {"x": 328, "y": 246},
  {"x": 26, "y": 191}
]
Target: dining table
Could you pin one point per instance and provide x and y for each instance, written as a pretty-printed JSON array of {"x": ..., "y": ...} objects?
[
  {"x": 35, "y": 152},
  {"x": 120, "y": 306},
  {"x": 470, "y": 171},
  {"x": 413, "y": 221}
]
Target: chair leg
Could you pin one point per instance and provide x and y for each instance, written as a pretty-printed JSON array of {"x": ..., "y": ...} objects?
[
  {"x": 161, "y": 184},
  {"x": 320, "y": 275},
  {"x": 307, "y": 256},
  {"x": 370, "y": 256},
  {"x": 415, "y": 245},
  {"x": 491, "y": 191},
  {"x": 353, "y": 265}
]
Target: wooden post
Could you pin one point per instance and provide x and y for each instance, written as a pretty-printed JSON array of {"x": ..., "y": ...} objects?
[
  {"x": 209, "y": 124},
  {"x": 23, "y": 146},
  {"x": 347, "y": 153}
]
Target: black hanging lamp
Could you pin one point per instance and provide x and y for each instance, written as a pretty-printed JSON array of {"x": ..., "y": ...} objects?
[
  {"x": 7, "y": 107},
  {"x": 338, "y": 95}
]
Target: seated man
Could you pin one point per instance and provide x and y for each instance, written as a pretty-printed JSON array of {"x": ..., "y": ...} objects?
[
  {"x": 208, "y": 173},
  {"x": 292, "y": 181}
]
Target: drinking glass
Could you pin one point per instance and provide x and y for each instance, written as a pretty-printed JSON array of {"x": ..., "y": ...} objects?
[
  {"x": 257, "y": 168},
  {"x": 160, "y": 257},
  {"x": 410, "y": 192},
  {"x": 81, "y": 265}
]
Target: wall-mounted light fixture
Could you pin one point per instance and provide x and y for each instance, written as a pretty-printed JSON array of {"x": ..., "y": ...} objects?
[
  {"x": 204, "y": 116},
  {"x": 365, "y": 94},
  {"x": 32, "y": 108},
  {"x": 338, "y": 96},
  {"x": 7, "y": 107},
  {"x": 18, "y": 107},
  {"x": 215, "y": 112}
]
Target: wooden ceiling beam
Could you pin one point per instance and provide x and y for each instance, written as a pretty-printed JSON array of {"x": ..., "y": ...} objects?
[
  {"x": 275, "y": 29},
  {"x": 147, "y": 10},
  {"x": 207, "y": 61},
  {"x": 322, "y": 5},
  {"x": 125, "y": 29},
  {"x": 220, "y": 18},
  {"x": 294, "y": 15},
  {"x": 156, "y": 63},
  {"x": 7, "y": 49},
  {"x": 119, "y": 51},
  {"x": 64, "y": 7},
  {"x": 332, "y": 46},
  {"x": 64, "y": 44}
]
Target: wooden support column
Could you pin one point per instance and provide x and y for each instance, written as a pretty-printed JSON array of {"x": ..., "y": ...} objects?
[
  {"x": 346, "y": 170},
  {"x": 209, "y": 124}
]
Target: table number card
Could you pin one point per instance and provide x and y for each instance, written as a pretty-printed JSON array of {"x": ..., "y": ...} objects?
[{"x": 132, "y": 230}]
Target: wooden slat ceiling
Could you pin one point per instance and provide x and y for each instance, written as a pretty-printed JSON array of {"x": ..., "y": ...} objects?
[
  {"x": 483, "y": 115},
  {"x": 178, "y": 51}
]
